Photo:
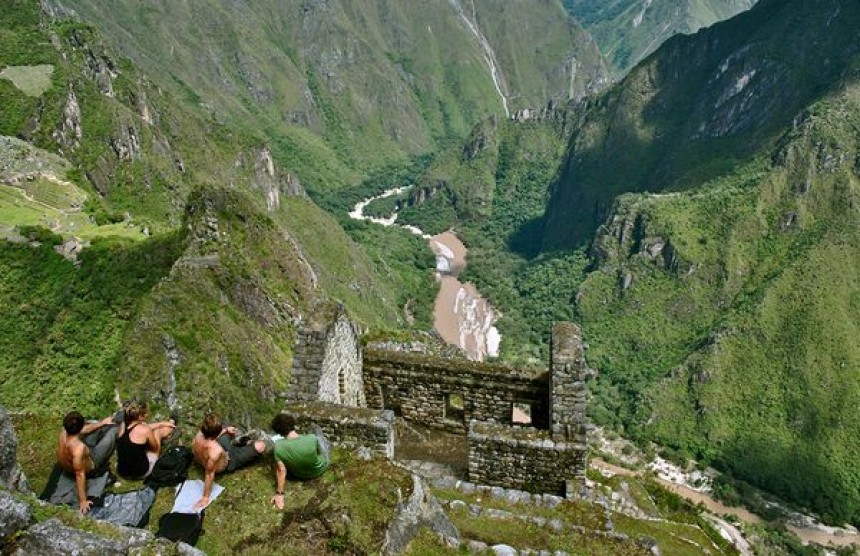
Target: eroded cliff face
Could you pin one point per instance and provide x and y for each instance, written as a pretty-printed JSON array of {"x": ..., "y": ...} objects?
[
  {"x": 11, "y": 475},
  {"x": 700, "y": 106}
]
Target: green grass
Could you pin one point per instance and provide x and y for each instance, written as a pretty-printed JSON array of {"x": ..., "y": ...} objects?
[
  {"x": 33, "y": 81},
  {"x": 346, "y": 510}
]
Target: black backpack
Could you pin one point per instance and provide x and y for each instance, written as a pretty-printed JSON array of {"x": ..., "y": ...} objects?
[
  {"x": 178, "y": 527},
  {"x": 171, "y": 468}
]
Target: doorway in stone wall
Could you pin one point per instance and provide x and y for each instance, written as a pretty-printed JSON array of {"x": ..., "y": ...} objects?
[{"x": 430, "y": 452}]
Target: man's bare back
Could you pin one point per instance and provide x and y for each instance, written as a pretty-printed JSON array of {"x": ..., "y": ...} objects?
[
  {"x": 209, "y": 453},
  {"x": 73, "y": 455}
]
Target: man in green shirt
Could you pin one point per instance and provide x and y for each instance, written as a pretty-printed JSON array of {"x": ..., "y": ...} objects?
[{"x": 302, "y": 456}]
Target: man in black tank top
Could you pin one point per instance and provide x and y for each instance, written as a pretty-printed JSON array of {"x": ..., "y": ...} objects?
[{"x": 139, "y": 444}]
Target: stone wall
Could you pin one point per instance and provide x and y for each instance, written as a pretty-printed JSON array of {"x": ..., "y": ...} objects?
[
  {"x": 524, "y": 459},
  {"x": 428, "y": 390},
  {"x": 349, "y": 427},
  {"x": 567, "y": 396},
  {"x": 327, "y": 360}
]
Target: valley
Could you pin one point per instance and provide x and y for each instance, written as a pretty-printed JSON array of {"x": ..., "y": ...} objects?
[
  {"x": 460, "y": 315},
  {"x": 188, "y": 190}
]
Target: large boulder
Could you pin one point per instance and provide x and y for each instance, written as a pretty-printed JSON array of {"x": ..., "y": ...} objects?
[
  {"x": 420, "y": 511},
  {"x": 14, "y": 515},
  {"x": 11, "y": 476},
  {"x": 52, "y": 538}
]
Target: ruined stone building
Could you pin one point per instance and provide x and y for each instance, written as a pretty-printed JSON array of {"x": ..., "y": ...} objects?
[{"x": 526, "y": 429}]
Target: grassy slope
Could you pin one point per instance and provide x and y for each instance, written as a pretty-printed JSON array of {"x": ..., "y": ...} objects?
[
  {"x": 535, "y": 44},
  {"x": 376, "y": 81},
  {"x": 347, "y": 510}
]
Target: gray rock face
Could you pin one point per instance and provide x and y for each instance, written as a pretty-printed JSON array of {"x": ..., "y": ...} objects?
[
  {"x": 14, "y": 515},
  {"x": 52, "y": 538},
  {"x": 420, "y": 511},
  {"x": 503, "y": 550},
  {"x": 11, "y": 476}
]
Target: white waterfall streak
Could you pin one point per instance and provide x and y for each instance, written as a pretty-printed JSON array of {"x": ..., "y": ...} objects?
[{"x": 489, "y": 54}]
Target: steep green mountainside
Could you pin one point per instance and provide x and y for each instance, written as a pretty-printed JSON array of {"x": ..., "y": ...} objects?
[
  {"x": 629, "y": 30},
  {"x": 342, "y": 88},
  {"x": 699, "y": 107},
  {"x": 722, "y": 308},
  {"x": 147, "y": 249}
]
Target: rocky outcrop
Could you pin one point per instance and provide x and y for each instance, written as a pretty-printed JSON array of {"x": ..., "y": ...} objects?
[
  {"x": 53, "y": 538},
  {"x": 626, "y": 236},
  {"x": 273, "y": 181},
  {"x": 101, "y": 69},
  {"x": 483, "y": 136},
  {"x": 14, "y": 515},
  {"x": 11, "y": 476},
  {"x": 70, "y": 133},
  {"x": 422, "y": 510},
  {"x": 126, "y": 143}
]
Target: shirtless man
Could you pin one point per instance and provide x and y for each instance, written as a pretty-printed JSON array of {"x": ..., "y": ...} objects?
[
  {"x": 215, "y": 452},
  {"x": 79, "y": 458}
]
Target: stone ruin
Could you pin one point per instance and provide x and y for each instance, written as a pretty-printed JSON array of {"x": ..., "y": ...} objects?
[{"x": 526, "y": 429}]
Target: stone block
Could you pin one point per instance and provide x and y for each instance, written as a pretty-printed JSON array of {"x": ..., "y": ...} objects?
[
  {"x": 14, "y": 514},
  {"x": 52, "y": 538}
]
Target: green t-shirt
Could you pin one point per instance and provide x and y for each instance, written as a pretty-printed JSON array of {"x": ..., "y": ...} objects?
[{"x": 301, "y": 456}]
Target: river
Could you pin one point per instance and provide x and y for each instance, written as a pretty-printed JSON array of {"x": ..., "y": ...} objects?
[{"x": 461, "y": 316}]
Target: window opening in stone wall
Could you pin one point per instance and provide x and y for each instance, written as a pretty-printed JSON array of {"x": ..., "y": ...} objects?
[
  {"x": 341, "y": 384},
  {"x": 521, "y": 413},
  {"x": 454, "y": 407}
]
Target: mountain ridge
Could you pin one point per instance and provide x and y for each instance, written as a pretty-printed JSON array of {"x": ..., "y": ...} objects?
[{"x": 722, "y": 231}]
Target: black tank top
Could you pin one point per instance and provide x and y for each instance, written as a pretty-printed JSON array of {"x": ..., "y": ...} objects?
[{"x": 132, "y": 462}]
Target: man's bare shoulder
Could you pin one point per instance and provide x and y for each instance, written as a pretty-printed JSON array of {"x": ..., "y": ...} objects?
[{"x": 205, "y": 448}]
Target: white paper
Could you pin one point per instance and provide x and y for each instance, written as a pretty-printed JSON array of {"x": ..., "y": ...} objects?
[{"x": 190, "y": 492}]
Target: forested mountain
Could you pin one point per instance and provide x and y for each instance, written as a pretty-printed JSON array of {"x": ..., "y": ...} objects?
[
  {"x": 184, "y": 252},
  {"x": 718, "y": 188},
  {"x": 629, "y": 30},
  {"x": 699, "y": 218},
  {"x": 340, "y": 88}
]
